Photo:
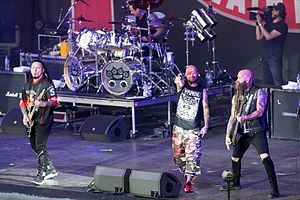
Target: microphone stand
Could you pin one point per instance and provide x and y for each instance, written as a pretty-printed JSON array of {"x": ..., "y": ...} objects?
[{"x": 70, "y": 30}]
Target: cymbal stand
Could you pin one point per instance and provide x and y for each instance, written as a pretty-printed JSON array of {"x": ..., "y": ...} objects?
[
  {"x": 168, "y": 61},
  {"x": 189, "y": 37},
  {"x": 149, "y": 33},
  {"x": 70, "y": 30}
]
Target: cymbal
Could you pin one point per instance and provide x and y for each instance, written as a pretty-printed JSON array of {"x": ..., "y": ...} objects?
[
  {"x": 82, "y": 19},
  {"x": 160, "y": 15},
  {"x": 115, "y": 22},
  {"x": 172, "y": 18},
  {"x": 144, "y": 4}
]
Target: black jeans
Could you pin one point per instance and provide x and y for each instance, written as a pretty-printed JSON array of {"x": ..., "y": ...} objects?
[
  {"x": 39, "y": 138},
  {"x": 272, "y": 70},
  {"x": 258, "y": 140}
]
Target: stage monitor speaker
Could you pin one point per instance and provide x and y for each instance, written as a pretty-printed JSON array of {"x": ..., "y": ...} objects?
[
  {"x": 154, "y": 184},
  {"x": 284, "y": 107},
  {"x": 103, "y": 128},
  {"x": 112, "y": 179},
  {"x": 12, "y": 123},
  {"x": 10, "y": 87}
]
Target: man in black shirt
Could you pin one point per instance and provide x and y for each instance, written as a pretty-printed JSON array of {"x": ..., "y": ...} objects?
[
  {"x": 188, "y": 130},
  {"x": 273, "y": 35},
  {"x": 247, "y": 126},
  {"x": 38, "y": 98},
  {"x": 156, "y": 27}
]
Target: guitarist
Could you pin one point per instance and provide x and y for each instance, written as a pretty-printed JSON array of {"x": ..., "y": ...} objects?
[
  {"x": 41, "y": 111},
  {"x": 252, "y": 128}
]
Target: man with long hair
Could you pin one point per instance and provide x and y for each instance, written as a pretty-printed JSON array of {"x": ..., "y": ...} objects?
[
  {"x": 38, "y": 98},
  {"x": 247, "y": 125}
]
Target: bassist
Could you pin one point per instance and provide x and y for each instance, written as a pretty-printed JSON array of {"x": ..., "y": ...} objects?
[{"x": 38, "y": 98}]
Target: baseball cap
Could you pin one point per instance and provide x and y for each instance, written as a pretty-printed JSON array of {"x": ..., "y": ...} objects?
[{"x": 279, "y": 6}]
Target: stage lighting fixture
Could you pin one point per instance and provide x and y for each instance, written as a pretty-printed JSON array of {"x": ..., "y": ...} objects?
[
  {"x": 208, "y": 18},
  {"x": 203, "y": 24},
  {"x": 197, "y": 17}
]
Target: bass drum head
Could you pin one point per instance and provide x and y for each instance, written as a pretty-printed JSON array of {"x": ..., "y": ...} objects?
[
  {"x": 118, "y": 76},
  {"x": 73, "y": 73}
]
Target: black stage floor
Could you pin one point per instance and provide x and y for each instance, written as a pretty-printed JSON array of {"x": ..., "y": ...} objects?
[{"x": 76, "y": 160}]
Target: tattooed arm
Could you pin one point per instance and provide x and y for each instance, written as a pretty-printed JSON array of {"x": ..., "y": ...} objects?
[
  {"x": 229, "y": 129},
  {"x": 205, "y": 106},
  {"x": 261, "y": 103}
]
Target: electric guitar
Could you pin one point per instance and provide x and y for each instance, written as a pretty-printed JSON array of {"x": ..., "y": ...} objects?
[
  {"x": 237, "y": 124},
  {"x": 235, "y": 137},
  {"x": 31, "y": 112}
]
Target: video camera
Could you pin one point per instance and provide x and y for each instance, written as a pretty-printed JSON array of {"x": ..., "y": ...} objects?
[{"x": 266, "y": 14}]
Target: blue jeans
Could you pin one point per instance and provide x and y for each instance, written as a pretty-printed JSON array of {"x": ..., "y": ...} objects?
[{"x": 272, "y": 70}]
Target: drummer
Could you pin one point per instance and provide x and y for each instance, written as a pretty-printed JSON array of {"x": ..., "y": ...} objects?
[{"x": 157, "y": 29}]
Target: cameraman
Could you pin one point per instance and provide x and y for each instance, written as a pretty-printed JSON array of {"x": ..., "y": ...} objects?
[{"x": 273, "y": 34}]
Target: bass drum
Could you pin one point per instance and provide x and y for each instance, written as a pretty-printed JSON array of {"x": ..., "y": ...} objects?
[
  {"x": 77, "y": 71},
  {"x": 119, "y": 76},
  {"x": 73, "y": 73}
]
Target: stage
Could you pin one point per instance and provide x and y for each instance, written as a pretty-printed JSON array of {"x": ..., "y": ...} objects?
[{"x": 76, "y": 160}]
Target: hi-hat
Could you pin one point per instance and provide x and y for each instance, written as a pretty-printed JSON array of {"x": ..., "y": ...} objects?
[
  {"x": 172, "y": 18},
  {"x": 82, "y": 19}
]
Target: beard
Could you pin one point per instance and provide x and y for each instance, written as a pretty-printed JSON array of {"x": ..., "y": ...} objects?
[{"x": 240, "y": 88}]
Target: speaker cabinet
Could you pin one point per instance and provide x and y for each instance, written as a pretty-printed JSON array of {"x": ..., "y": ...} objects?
[
  {"x": 283, "y": 114},
  {"x": 154, "y": 184},
  {"x": 12, "y": 123},
  {"x": 11, "y": 84},
  {"x": 112, "y": 179},
  {"x": 103, "y": 128}
]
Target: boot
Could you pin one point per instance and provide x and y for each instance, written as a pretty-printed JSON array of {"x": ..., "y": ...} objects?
[
  {"x": 50, "y": 169},
  {"x": 235, "y": 183},
  {"x": 269, "y": 166},
  {"x": 39, "y": 178}
]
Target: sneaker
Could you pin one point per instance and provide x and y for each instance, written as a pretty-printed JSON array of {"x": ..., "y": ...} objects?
[
  {"x": 273, "y": 195},
  {"x": 39, "y": 179},
  {"x": 188, "y": 188},
  {"x": 50, "y": 172}
]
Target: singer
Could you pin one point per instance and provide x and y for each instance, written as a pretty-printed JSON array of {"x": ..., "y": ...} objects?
[
  {"x": 273, "y": 35},
  {"x": 188, "y": 129}
]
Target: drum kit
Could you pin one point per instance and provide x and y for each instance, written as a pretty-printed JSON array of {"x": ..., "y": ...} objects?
[{"x": 114, "y": 62}]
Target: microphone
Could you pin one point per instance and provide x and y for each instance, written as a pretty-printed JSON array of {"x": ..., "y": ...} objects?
[
  {"x": 60, "y": 15},
  {"x": 83, "y": 1}
]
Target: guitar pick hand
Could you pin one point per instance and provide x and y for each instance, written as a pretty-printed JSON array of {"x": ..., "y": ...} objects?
[{"x": 38, "y": 103}]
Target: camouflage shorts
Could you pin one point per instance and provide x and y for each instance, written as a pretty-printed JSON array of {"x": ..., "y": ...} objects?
[{"x": 187, "y": 150}]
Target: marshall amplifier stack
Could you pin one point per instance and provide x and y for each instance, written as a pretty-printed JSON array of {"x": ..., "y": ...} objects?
[
  {"x": 11, "y": 84},
  {"x": 54, "y": 64}
]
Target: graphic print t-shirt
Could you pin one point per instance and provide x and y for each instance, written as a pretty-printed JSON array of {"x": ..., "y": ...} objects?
[{"x": 189, "y": 107}]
